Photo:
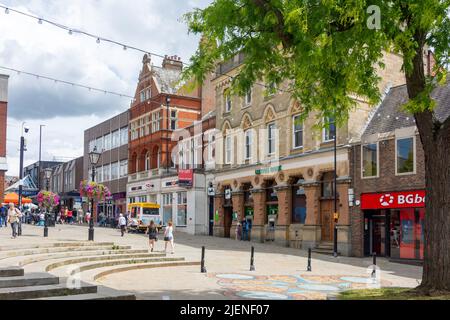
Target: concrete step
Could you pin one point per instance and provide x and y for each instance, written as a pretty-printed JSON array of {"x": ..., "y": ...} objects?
[
  {"x": 63, "y": 255},
  {"x": 324, "y": 251},
  {"x": 106, "y": 271},
  {"x": 112, "y": 263},
  {"x": 56, "y": 245},
  {"x": 29, "y": 280},
  {"x": 103, "y": 293},
  {"x": 103, "y": 258},
  {"x": 20, "y": 293},
  {"x": 28, "y": 252},
  {"x": 11, "y": 272}
]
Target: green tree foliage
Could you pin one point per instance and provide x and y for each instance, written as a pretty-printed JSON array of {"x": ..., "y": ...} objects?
[{"x": 325, "y": 47}]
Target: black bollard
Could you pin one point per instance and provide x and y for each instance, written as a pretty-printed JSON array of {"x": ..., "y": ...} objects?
[
  {"x": 252, "y": 260},
  {"x": 309, "y": 260},
  {"x": 374, "y": 255},
  {"x": 203, "y": 269}
]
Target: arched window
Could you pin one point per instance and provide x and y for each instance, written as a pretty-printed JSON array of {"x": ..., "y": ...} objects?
[{"x": 147, "y": 161}]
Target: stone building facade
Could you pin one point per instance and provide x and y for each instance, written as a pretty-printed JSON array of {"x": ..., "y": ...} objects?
[
  {"x": 3, "y": 130},
  {"x": 274, "y": 173}
]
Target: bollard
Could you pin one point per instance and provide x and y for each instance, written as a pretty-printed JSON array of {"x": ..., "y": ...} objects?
[
  {"x": 309, "y": 260},
  {"x": 203, "y": 269},
  {"x": 252, "y": 260},
  {"x": 374, "y": 255}
]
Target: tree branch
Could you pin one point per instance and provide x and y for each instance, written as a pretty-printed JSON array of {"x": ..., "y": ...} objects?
[{"x": 285, "y": 37}]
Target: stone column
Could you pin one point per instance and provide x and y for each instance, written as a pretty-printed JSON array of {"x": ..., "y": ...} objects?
[
  {"x": 218, "y": 207},
  {"x": 238, "y": 207},
  {"x": 284, "y": 194},
  {"x": 311, "y": 233},
  {"x": 259, "y": 220}
]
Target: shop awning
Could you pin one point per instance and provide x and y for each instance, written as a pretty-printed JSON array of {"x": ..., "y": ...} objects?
[{"x": 14, "y": 198}]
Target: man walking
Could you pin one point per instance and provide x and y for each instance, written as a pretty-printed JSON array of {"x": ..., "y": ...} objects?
[
  {"x": 2, "y": 216},
  {"x": 122, "y": 224}
]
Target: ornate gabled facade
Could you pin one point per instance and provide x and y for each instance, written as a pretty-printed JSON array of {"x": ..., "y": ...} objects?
[{"x": 163, "y": 106}]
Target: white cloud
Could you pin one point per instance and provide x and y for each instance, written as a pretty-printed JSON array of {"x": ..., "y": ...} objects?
[{"x": 153, "y": 25}]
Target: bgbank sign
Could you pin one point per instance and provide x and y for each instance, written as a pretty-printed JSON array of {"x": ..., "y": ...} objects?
[{"x": 393, "y": 200}]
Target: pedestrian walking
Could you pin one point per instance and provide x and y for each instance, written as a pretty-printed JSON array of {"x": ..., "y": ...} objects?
[
  {"x": 168, "y": 237},
  {"x": 152, "y": 232},
  {"x": 69, "y": 216},
  {"x": 13, "y": 219},
  {"x": 122, "y": 224},
  {"x": 238, "y": 231},
  {"x": 80, "y": 216},
  {"x": 88, "y": 217},
  {"x": 3, "y": 216},
  {"x": 42, "y": 219}
]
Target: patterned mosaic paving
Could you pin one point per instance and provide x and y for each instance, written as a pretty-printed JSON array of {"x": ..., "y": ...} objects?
[{"x": 280, "y": 287}]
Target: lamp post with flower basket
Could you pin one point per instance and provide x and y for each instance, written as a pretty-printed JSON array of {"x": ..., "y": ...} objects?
[
  {"x": 47, "y": 200},
  {"x": 93, "y": 191}
]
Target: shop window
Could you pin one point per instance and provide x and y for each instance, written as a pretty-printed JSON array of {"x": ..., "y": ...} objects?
[
  {"x": 182, "y": 209},
  {"x": 405, "y": 156},
  {"x": 167, "y": 207},
  {"x": 298, "y": 205},
  {"x": 369, "y": 160},
  {"x": 271, "y": 194}
]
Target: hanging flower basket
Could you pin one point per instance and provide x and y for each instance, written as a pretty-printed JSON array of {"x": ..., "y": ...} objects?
[
  {"x": 94, "y": 190},
  {"x": 48, "y": 199}
]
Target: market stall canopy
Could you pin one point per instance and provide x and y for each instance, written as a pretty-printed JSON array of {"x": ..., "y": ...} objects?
[
  {"x": 14, "y": 198},
  {"x": 29, "y": 188}
]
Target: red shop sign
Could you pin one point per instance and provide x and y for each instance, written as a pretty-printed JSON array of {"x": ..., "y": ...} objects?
[
  {"x": 186, "y": 177},
  {"x": 390, "y": 200}
]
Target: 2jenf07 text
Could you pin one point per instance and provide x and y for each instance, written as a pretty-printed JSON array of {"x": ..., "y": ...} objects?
[{"x": 228, "y": 310}]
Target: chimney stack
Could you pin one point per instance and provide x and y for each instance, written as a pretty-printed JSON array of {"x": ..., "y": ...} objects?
[{"x": 172, "y": 62}]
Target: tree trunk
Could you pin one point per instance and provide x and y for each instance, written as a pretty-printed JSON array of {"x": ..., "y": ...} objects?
[
  {"x": 435, "y": 137},
  {"x": 436, "y": 267}
]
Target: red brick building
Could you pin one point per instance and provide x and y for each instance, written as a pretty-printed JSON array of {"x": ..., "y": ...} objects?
[
  {"x": 152, "y": 122},
  {"x": 3, "y": 121},
  {"x": 389, "y": 181}
]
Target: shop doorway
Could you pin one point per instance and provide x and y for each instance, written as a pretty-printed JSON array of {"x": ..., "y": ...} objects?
[
  {"x": 227, "y": 221},
  {"x": 376, "y": 233},
  {"x": 327, "y": 220}
]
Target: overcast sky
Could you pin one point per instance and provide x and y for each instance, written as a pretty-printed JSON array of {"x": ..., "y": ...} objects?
[{"x": 153, "y": 25}]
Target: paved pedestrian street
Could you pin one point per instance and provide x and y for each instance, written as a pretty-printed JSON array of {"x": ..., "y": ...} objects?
[{"x": 125, "y": 264}]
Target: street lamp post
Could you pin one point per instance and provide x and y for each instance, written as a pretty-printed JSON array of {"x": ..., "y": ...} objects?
[
  {"x": 167, "y": 136},
  {"x": 336, "y": 215},
  {"x": 94, "y": 157},
  {"x": 48, "y": 174},
  {"x": 22, "y": 150}
]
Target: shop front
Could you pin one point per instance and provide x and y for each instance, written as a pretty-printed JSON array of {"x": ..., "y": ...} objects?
[{"x": 393, "y": 224}]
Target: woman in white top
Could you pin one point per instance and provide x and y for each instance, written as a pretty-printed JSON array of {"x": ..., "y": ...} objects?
[
  {"x": 13, "y": 219},
  {"x": 168, "y": 237}
]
